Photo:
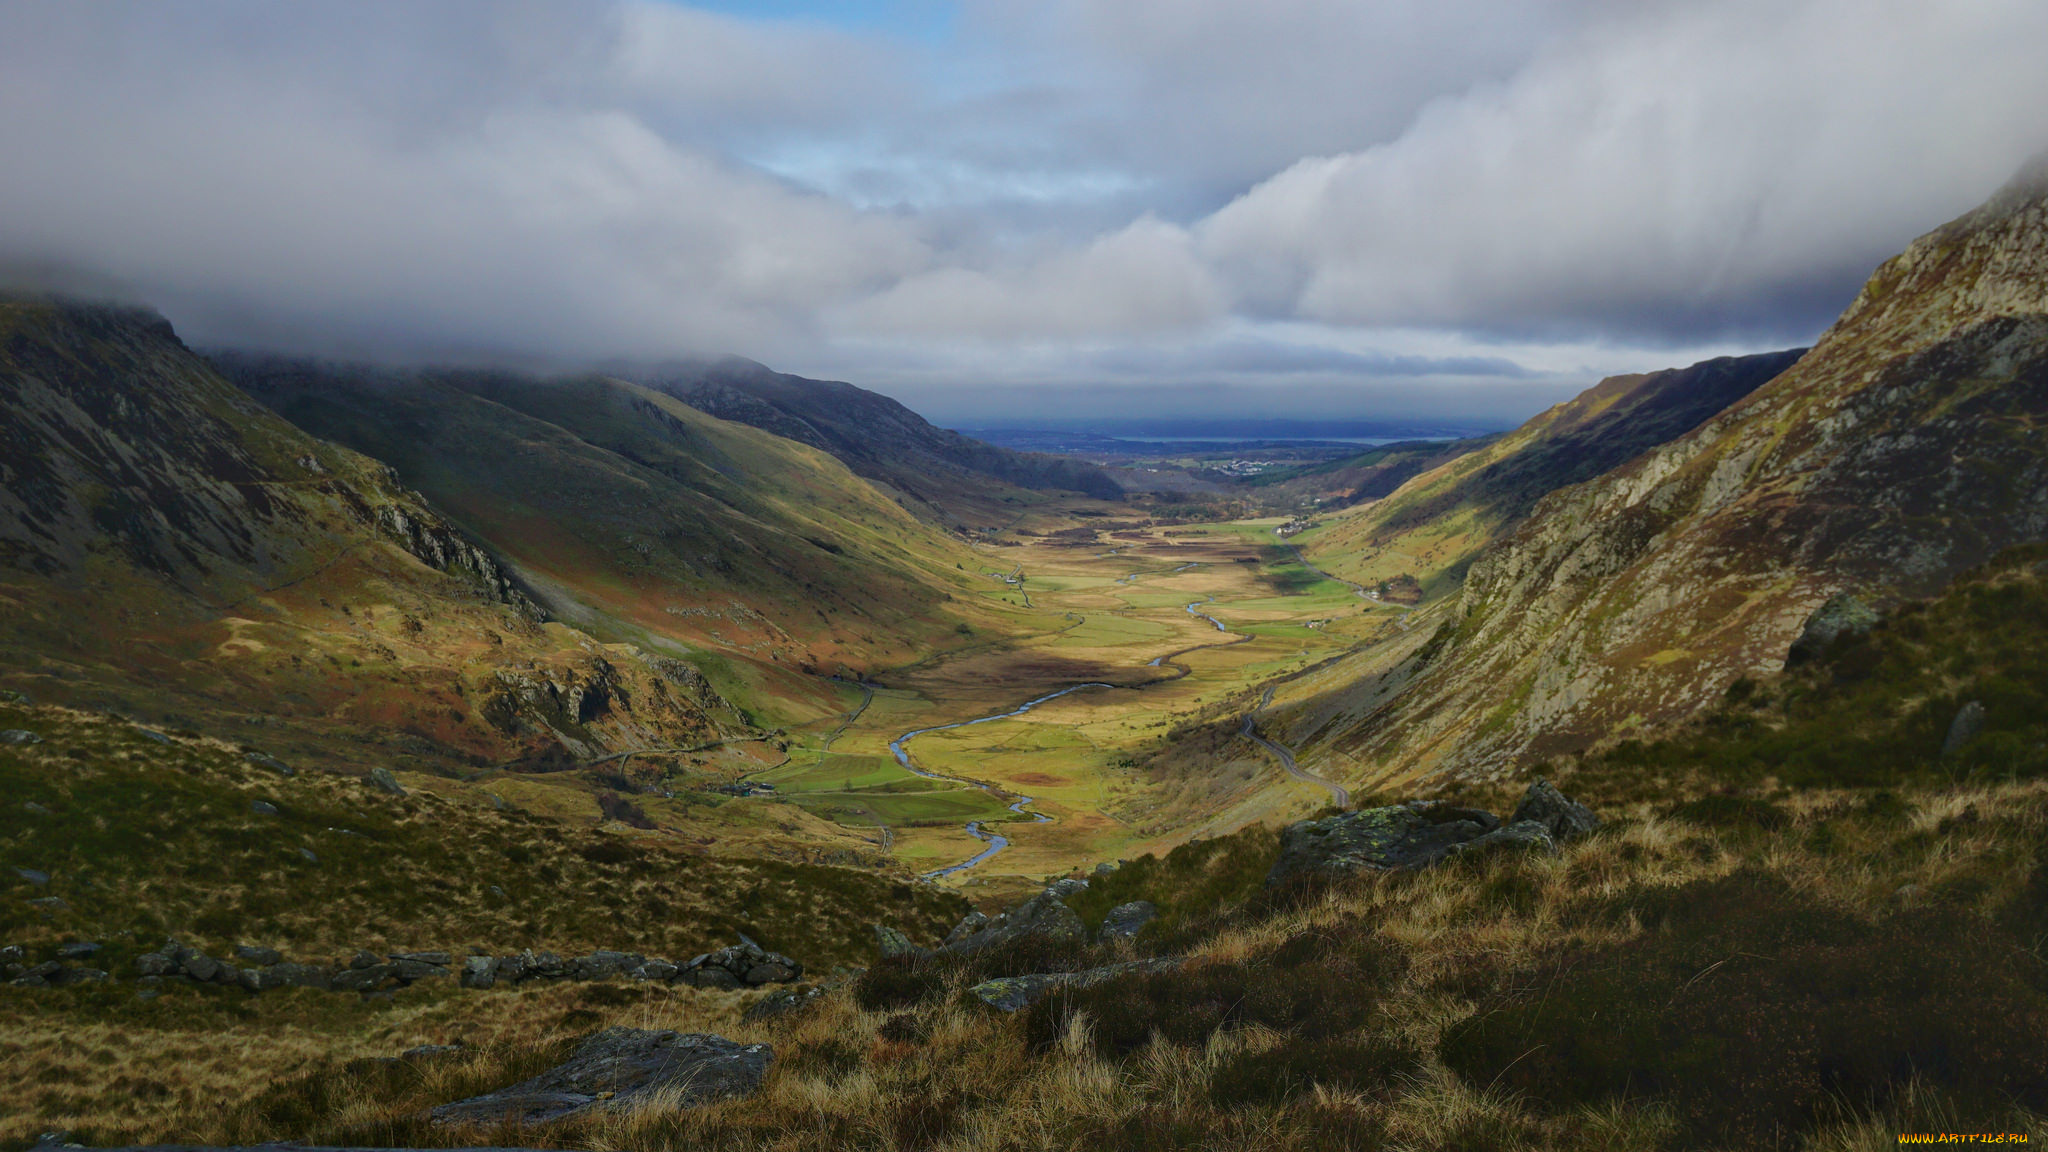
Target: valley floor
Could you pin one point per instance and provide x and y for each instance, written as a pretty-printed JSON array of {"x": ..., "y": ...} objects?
[{"x": 1166, "y": 622}]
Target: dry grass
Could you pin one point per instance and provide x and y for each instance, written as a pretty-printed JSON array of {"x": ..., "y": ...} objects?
[{"x": 950, "y": 1074}]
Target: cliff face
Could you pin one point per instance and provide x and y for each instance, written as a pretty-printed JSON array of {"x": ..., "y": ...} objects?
[
  {"x": 171, "y": 548},
  {"x": 119, "y": 443},
  {"x": 1903, "y": 449}
]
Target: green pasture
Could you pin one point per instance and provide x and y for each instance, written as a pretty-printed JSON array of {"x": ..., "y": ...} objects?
[{"x": 945, "y": 806}]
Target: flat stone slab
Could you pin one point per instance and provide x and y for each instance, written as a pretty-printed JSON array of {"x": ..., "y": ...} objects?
[
  {"x": 618, "y": 1069},
  {"x": 1014, "y": 993}
]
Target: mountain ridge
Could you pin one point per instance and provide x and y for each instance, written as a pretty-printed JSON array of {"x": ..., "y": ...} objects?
[{"x": 1903, "y": 449}]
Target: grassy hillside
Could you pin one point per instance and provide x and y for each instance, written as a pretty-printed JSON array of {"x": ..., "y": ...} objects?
[
  {"x": 1895, "y": 455},
  {"x": 143, "y": 836},
  {"x": 949, "y": 478},
  {"x": 175, "y": 551},
  {"x": 1817, "y": 959},
  {"x": 626, "y": 508},
  {"x": 1432, "y": 526}
]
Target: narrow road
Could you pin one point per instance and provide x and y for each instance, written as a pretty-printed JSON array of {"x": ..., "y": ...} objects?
[{"x": 1338, "y": 793}]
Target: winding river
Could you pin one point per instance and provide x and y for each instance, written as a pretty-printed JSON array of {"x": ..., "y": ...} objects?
[{"x": 899, "y": 747}]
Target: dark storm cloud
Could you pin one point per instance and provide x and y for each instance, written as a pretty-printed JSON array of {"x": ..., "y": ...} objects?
[{"x": 1099, "y": 190}]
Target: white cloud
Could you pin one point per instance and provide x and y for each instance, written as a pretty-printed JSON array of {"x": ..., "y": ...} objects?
[
  {"x": 1078, "y": 187},
  {"x": 1138, "y": 282},
  {"x": 1675, "y": 169}
]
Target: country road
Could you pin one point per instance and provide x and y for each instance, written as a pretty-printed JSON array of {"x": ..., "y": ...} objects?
[{"x": 1338, "y": 793}]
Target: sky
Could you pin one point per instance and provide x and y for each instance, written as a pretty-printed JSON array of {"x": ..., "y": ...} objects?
[{"x": 1014, "y": 212}]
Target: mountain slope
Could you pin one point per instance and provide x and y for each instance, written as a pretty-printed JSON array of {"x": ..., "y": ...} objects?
[
  {"x": 1433, "y": 525},
  {"x": 172, "y": 549},
  {"x": 627, "y": 509},
  {"x": 953, "y": 475},
  {"x": 1906, "y": 447}
]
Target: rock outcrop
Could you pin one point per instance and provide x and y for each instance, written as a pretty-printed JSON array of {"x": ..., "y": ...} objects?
[
  {"x": 1885, "y": 462},
  {"x": 1419, "y": 834},
  {"x": 620, "y": 1069},
  {"x": 1013, "y": 993}
]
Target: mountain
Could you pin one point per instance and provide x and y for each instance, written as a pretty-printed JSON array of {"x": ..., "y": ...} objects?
[
  {"x": 635, "y": 515},
  {"x": 1906, "y": 447},
  {"x": 172, "y": 549},
  {"x": 1437, "y": 512},
  {"x": 952, "y": 477}
]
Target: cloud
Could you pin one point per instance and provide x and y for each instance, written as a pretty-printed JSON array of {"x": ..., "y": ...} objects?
[
  {"x": 1091, "y": 192},
  {"x": 294, "y": 176},
  {"x": 1682, "y": 169},
  {"x": 1141, "y": 281}
]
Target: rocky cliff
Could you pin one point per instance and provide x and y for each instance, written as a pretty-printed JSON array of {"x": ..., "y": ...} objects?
[
  {"x": 1903, "y": 449},
  {"x": 171, "y": 548}
]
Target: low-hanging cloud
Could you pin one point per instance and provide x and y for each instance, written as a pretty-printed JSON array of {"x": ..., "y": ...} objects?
[
  {"x": 1684, "y": 168},
  {"x": 1122, "y": 188}
]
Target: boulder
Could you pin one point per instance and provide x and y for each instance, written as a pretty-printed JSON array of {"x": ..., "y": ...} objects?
[
  {"x": 1125, "y": 920},
  {"x": 407, "y": 970},
  {"x": 81, "y": 976},
  {"x": 769, "y": 972},
  {"x": 781, "y": 1002},
  {"x": 49, "y": 904},
  {"x": 603, "y": 965},
  {"x": 709, "y": 977},
  {"x": 155, "y": 964},
  {"x": 545, "y": 966},
  {"x": 438, "y": 959},
  {"x": 77, "y": 950},
  {"x": 39, "y": 975},
  {"x": 257, "y": 954},
  {"x": 894, "y": 943},
  {"x": 383, "y": 781},
  {"x": 203, "y": 968},
  {"x": 1400, "y": 836},
  {"x": 480, "y": 971},
  {"x": 973, "y": 922},
  {"x": 1067, "y": 886},
  {"x": 1842, "y": 615},
  {"x": 745, "y": 963},
  {"x": 1964, "y": 728},
  {"x": 289, "y": 975},
  {"x": 655, "y": 969},
  {"x": 1012, "y": 993},
  {"x": 19, "y": 736},
  {"x": 1524, "y": 835},
  {"x": 262, "y": 808},
  {"x": 1562, "y": 816},
  {"x": 1042, "y": 916},
  {"x": 369, "y": 979},
  {"x": 620, "y": 1069},
  {"x": 34, "y": 876},
  {"x": 271, "y": 763},
  {"x": 364, "y": 958}
]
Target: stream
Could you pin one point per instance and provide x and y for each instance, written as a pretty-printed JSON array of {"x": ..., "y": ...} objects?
[{"x": 996, "y": 841}]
